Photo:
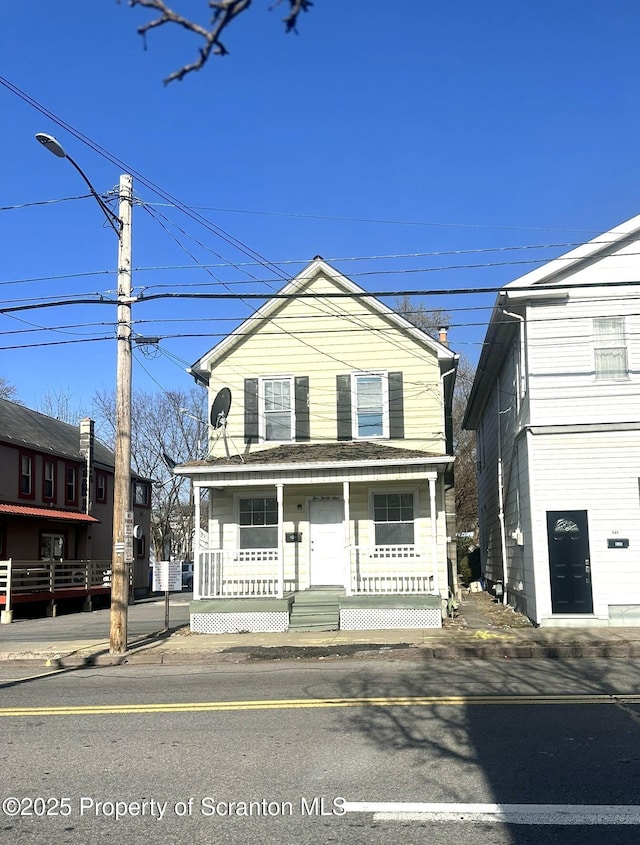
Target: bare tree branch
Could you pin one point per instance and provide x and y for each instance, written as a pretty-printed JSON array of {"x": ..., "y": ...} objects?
[{"x": 224, "y": 13}]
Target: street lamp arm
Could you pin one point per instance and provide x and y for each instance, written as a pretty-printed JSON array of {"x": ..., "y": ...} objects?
[
  {"x": 55, "y": 147},
  {"x": 114, "y": 221}
]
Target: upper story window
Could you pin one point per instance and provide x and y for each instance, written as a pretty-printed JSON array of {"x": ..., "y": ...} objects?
[
  {"x": 71, "y": 484},
  {"x": 370, "y": 406},
  {"x": 393, "y": 519},
  {"x": 610, "y": 348},
  {"x": 258, "y": 522},
  {"x": 49, "y": 481},
  {"x": 141, "y": 494},
  {"x": 26, "y": 489},
  {"x": 277, "y": 408},
  {"x": 101, "y": 486}
]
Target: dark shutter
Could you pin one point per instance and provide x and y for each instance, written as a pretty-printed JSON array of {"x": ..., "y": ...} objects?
[
  {"x": 302, "y": 409},
  {"x": 343, "y": 392},
  {"x": 251, "y": 432},
  {"x": 396, "y": 407}
]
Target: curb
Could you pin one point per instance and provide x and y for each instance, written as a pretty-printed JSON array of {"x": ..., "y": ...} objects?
[{"x": 404, "y": 651}]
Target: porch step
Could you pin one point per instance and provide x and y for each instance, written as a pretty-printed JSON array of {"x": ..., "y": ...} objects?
[{"x": 316, "y": 610}]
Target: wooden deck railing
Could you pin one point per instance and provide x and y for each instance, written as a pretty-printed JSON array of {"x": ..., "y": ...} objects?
[{"x": 36, "y": 580}]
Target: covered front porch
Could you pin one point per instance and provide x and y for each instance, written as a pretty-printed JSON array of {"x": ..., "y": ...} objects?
[{"x": 374, "y": 532}]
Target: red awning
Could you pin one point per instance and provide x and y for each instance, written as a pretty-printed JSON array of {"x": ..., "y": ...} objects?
[{"x": 46, "y": 513}]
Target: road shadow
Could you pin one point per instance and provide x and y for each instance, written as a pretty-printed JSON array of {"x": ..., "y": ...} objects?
[
  {"x": 76, "y": 661},
  {"x": 520, "y": 751}
]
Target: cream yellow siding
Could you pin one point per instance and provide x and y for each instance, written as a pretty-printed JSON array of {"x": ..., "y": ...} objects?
[{"x": 322, "y": 339}]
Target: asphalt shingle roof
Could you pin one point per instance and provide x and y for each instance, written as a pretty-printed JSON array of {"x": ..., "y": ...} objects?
[
  {"x": 30, "y": 429},
  {"x": 364, "y": 451}
]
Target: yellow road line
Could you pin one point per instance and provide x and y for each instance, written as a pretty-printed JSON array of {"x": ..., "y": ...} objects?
[{"x": 315, "y": 703}]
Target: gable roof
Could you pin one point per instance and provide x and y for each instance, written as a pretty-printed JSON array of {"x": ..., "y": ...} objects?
[
  {"x": 25, "y": 428},
  {"x": 538, "y": 283},
  {"x": 201, "y": 368},
  {"x": 554, "y": 271}
]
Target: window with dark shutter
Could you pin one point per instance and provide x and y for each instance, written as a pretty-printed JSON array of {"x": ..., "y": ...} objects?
[
  {"x": 343, "y": 410},
  {"x": 396, "y": 406},
  {"x": 251, "y": 429},
  {"x": 303, "y": 432}
]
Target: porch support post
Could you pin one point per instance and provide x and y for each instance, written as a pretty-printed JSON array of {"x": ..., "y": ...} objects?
[
  {"x": 280, "y": 495},
  {"x": 432, "y": 479},
  {"x": 197, "y": 563},
  {"x": 347, "y": 538}
]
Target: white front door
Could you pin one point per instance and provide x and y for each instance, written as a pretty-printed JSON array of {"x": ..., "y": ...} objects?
[{"x": 326, "y": 537}]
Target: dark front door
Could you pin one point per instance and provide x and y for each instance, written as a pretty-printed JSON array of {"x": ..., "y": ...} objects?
[{"x": 569, "y": 562}]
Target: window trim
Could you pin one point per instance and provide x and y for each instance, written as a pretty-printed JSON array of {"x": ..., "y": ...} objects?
[
  {"x": 392, "y": 491},
  {"x": 383, "y": 375},
  {"x": 262, "y": 410},
  {"x": 31, "y": 457},
  {"x": 67, "y": 499},
  {"x": 138, "y": 484},
  {"x": 54, "y": 480},
  {"x": 600, "y": 345},
  {"x": 253, "y": 494},
  {"x": 101, "y": 475}
]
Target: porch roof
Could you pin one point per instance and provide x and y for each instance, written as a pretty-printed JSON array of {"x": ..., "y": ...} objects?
[{"x": 301, "y": 459}]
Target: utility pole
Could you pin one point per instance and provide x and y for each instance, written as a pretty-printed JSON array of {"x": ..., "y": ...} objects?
[
  {"x": 122, "y": 554},
  {"x": 122, "y": 550}
]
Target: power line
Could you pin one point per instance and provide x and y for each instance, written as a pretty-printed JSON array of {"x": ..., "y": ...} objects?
[{"x": 391, "y": 222}]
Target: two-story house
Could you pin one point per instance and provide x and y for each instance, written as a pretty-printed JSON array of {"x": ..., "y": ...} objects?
[
  {"x": 556, "y": 409},
  {"x": 56, "y": 507},
  {"x": 329, "y": 464}
]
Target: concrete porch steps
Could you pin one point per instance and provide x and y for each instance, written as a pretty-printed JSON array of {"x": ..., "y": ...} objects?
[{"x": 316, "y": 609}]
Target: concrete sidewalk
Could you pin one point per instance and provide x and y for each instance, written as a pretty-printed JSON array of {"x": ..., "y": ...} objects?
[{"x": 480, "y": 630}]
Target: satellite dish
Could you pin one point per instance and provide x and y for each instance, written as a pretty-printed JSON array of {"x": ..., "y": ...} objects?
[
  {"x": 220, "y": 408},
  {"x": 168, "y": 461}
]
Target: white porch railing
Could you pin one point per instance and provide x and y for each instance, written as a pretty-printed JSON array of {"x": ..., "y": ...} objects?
[
  {"x": 390, "y": 570},
  {"x": 239, "y": 573},
  {"x": 255, "y": 573}
]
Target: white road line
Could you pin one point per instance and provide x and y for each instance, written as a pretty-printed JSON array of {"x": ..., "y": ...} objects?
[{"x": 538, "y": 814}]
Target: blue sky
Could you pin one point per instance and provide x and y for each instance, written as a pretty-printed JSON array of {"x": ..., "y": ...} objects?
[{"x": 494, "y": 133}]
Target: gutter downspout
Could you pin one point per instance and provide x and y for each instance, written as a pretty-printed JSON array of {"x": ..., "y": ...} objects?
[
  {"x": 520, "y": 393},
  {"x": 522, "y": 378},
  {"x": 503, "y": 542},
  {"x": 503, "y": 539}
]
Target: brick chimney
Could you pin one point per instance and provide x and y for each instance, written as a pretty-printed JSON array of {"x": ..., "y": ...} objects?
[
  {"x": 443, "y": 331},
  {"x": 87, "y": 439}
]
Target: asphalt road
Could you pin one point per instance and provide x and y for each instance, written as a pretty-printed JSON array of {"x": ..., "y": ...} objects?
[{"x": 133, "y": 753}]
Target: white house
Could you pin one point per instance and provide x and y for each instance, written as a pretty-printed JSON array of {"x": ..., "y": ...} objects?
[
  {"x": 329, "y": 466},
  {"x": 556, "y": 408}
]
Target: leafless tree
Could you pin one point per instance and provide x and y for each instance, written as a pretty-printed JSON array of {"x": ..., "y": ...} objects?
[
  {"x": 223, "y": 13},
  {"x": 59, "y": 403},
  {"x": 167, "y": 428},
  {"x": 466, "y": 488},
  {"x": 7, "y": 390}
]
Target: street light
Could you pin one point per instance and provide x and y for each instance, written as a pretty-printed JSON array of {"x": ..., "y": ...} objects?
[{"x": 122, "y": 551}]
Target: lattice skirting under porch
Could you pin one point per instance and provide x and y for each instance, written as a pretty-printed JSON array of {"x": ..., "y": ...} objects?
[
  {"x": 235, "y": 623},
  {"x": 371, "y": 619}
]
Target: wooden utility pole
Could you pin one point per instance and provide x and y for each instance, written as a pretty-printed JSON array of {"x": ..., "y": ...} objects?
[
  {"x": 122, "y": 552},
  {"x": 122, "y": 541}
]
